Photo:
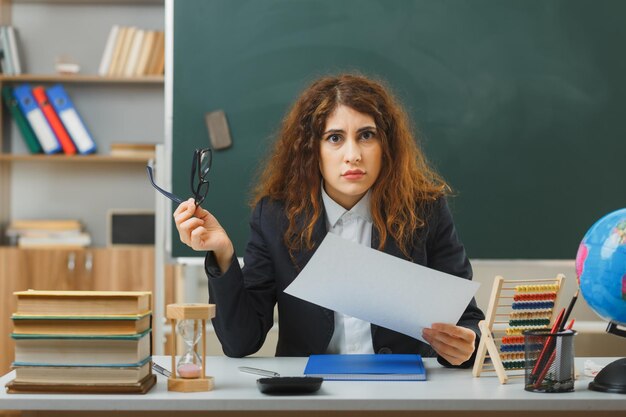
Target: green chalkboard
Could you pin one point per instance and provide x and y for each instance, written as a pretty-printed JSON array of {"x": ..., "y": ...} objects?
[{"x": 521, "y": 105}]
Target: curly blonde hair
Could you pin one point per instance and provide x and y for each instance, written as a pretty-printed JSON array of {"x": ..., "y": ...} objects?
[{"x": 292, "y": 173}]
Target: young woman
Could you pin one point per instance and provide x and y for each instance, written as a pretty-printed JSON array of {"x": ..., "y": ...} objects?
[{"x": 345, "y": 162}]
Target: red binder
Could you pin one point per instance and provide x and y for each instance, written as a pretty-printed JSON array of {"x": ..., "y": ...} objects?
[{"x": 54, "y": 121}]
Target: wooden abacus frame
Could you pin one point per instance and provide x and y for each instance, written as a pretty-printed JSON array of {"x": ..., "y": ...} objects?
[{"x": 501, "y": 292}]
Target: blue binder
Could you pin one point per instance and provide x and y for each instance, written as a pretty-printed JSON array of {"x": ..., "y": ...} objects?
[
  {"x": 71, "y": 119},
  {"x": 392, "y": 367},
  {"x": 30, "y": 109}
]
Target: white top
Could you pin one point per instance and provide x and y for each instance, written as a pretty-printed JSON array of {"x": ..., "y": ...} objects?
[
  {"x": 351, "y": 335},
  {"x": 445, "y": 390}
]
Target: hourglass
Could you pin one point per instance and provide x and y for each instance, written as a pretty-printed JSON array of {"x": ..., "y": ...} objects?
[{"x": 189, "y": 322}]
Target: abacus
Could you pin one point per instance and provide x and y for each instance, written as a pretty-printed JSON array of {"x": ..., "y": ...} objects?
[{"x": 514, "y": 306}]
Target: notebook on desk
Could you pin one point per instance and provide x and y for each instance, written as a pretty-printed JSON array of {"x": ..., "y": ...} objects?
[{"x": 372, "y": 367}]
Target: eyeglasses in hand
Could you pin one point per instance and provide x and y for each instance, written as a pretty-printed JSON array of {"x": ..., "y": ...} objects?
[{"x": 200, "y": 167}]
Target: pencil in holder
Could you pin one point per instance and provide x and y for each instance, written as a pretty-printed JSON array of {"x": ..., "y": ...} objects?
[{"x": 549, "y": 361}]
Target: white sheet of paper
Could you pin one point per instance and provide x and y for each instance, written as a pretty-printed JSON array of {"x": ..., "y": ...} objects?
[{"x": 381, "y": 289}]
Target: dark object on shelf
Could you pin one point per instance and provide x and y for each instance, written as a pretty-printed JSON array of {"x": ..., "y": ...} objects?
[{"x": 131, "y": 227}]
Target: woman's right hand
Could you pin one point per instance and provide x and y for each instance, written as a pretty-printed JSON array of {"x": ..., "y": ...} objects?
[{"x": 201, "y": 231}]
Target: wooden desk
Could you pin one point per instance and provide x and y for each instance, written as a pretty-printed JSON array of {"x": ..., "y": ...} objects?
[{"x": 447, "y": 392}]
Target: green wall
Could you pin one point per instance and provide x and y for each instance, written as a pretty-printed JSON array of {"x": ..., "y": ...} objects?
[{"x": 520, "y": 104}]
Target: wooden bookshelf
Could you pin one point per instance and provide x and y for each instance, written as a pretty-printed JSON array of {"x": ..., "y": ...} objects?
[
  {"x": 84, "y": 187},
  {"x": 112, "y": 106}
]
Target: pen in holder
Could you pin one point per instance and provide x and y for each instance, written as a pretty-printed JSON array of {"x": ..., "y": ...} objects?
[{"x": 549, "y": 361}]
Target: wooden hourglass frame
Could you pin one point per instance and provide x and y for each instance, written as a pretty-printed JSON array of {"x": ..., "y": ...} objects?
[{"x": 197, "y": 312}]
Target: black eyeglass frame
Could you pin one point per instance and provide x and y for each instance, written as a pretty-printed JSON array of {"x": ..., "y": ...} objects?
[{"x": 200, "y": 190}]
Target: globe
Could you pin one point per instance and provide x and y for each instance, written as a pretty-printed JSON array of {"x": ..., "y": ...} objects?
[
  {"x": 601, "y": 271},
  {"x": 601, "y": 267}
]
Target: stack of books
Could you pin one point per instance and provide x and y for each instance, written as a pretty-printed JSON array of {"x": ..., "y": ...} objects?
[
  {"x": 133, "y": 52},
  {"x": 9, "y": 57},
  {"x": 48, "y": 120},
  {"x": 47, "y": 234},
  {"x": 82, "y": 341}
]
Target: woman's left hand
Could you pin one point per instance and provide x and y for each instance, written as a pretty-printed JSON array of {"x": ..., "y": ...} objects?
[{"x": 454, "y": 343}]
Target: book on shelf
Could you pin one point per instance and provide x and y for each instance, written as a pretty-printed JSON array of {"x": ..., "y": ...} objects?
[
  {"x": 155, "y": 66},
  {"x": 81, "y": 374},
  {"x": 72, "y": 121},
  {"x": 81, "y": 325},
  {"x": 160, "y": 62},
  {"x": 53, "y": 120},
  {"x": 77, "y": 303},
  {"x": 10, "y": 60},
  {"x": 367, "y": 367},
  {"x": 144, "y": 54},
  {"x": 125, "y": 51},
  {"x": 139, "y": 387},
  {"x": 107, "y": 55},
  {"x": 47, "y": 233},
  {"x": 82, "y": 350},
  {"x": 32, "y": 143},
  {"x": 47, "y": 225},
  {"x": 7, "y": 57},
  {"x": 133, "y": 53},
  {"x": 137, "y": 150},
  {"x": 15, "y": 56},
  {"x": 33, "y": 113},
  {"x": 55, "y": 240},
  {"x": 117, "y": 51},
  {"x": 4, "y": 54}
]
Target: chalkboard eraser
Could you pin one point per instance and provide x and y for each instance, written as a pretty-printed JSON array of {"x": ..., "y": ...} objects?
[{"x": 219, "y": 134}]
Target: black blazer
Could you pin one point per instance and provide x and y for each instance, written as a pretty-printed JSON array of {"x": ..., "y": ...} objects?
[{"x": 245, "y": 299}]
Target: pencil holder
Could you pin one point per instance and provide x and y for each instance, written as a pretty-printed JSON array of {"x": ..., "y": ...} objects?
[{"x": 549, "y": 361}]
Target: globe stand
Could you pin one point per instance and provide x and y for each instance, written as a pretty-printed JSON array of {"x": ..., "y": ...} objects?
[
  {"x": 613, "y": 328},
  {"x": 612, "y": 378}
]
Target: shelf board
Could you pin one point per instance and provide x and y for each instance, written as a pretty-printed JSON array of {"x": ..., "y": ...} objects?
[
  {"x": 81, "y": 78},
  {"x": 122, "y": 2},
  {"x": 72, "y": 158}
]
